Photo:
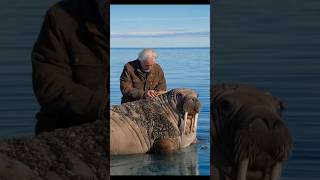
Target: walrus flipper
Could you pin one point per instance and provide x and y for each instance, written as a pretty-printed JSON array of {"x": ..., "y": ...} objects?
[{"x": 165, "y": 145}]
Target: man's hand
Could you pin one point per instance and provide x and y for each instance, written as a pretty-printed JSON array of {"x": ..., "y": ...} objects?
[{"x": 150, "y": 94}]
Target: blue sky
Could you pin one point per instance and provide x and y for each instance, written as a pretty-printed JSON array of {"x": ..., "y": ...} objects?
[{"x": 154, "y": 26}]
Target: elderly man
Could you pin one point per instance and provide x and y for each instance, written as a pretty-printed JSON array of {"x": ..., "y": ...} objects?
[
  {"x": 70, "y": 63},
  {"x": 142, "y": 78}
]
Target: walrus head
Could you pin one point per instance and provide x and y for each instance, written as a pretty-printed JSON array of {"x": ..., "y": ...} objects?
[
  {"x": 186, "y": 105},
  {"x": 249, "y": 131}
]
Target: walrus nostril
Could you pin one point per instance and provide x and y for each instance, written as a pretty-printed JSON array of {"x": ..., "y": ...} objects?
[
  {"x": 267, "y": 123},
  {"x": 191, "y": 105},
  {"x": 277, "y": 123},
  {"x": 272, "y": 123}
]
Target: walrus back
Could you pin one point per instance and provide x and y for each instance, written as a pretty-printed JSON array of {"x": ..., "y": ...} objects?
[
  {"x": 72, "y": 153},
  {"x": 134, "y": 126},
  {"x": 126, "y": 130}
]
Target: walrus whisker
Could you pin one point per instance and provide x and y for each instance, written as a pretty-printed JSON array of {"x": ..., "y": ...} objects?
[
  {"x": 242, "y": 169},
  {"x": 276, "y": 171}
]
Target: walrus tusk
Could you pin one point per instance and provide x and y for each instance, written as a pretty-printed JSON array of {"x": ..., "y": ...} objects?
[
  {"x": 183, "y": 124},
  {"x": 192, "y": 123},
  {"x": 276, "y": 171},
  {"x": 242, "y": 169},
  {"x": 195, "y": 122}
]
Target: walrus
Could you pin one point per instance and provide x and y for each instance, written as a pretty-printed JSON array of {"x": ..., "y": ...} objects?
[
  {"x": 249, "y": 137},
  {"x": 73, "y": 153},
  {"x": 161, "y": 124}
]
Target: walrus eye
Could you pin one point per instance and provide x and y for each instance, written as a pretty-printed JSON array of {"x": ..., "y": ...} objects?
[
  {"x": 281, "y": 106},
  {"x": 179, "y": 95},
  {"x": 226, "y": 105}
]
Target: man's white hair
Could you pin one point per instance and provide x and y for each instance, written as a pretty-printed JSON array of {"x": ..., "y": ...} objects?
[{"x": 147, "y": 53}]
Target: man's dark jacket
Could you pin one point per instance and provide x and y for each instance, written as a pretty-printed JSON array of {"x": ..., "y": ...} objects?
[
  {"x": 134, "y": 83},
  {"x": 70, "y": 63}
]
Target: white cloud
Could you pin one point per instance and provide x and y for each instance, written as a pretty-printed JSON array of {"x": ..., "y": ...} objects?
[
  {"x": 162, "y": 19},
  {"x": 160, "y": 34}
]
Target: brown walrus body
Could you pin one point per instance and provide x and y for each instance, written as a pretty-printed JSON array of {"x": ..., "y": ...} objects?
[
  {"x": 64, "y": 154},
  {"x": 162, "y": 124},
  {"x": 249, "y": 138}
]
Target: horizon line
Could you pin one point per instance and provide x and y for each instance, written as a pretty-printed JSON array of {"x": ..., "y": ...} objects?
[{"x": 154, "y": 47}]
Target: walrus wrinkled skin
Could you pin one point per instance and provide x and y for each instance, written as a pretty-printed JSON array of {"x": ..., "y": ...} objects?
[
  {"x": 64, "y": 154},
  {"x": 161, "y": 124},
  {"x": 249, "y": 138}
]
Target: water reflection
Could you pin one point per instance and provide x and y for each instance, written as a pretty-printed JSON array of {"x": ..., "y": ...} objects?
[{"x": 182, "y": 162}]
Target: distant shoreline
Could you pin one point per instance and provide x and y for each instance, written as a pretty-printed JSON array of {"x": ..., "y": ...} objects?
[{"x": 162, "y": 48}]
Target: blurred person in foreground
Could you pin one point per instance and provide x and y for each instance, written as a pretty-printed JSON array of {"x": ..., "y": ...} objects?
[{"x": 70, "y": 64}]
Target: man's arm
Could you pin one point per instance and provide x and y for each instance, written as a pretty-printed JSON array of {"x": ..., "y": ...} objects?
[
  {"x": 52, "y": 75},
  {"x": 126, "y": 86},
  {"x": 162, "y": 85}
]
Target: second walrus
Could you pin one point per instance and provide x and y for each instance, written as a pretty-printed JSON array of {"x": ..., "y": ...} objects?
[{"x": 249, "y": 138}]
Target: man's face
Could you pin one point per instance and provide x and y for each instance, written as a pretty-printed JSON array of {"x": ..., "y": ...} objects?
[{"x": 147, "y": 64}]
